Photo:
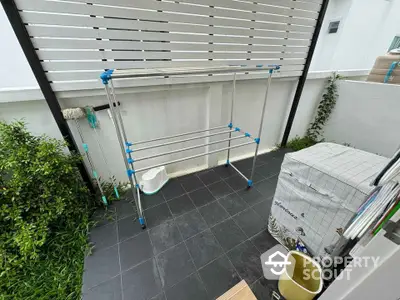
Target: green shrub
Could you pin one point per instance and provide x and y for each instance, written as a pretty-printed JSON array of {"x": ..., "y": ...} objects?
[
  {"x": 299, "y": 143},
  {"x": 44, "y": 217}
]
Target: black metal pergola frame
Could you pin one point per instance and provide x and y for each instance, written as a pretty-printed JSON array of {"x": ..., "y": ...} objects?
[{"x": 20, "y": 31}]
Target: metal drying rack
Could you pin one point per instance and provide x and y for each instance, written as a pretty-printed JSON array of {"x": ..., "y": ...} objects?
[{"x": 127, "y": 147}]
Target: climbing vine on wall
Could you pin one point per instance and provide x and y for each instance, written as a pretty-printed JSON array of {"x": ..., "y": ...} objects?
[{"x": 324, "y": 110}]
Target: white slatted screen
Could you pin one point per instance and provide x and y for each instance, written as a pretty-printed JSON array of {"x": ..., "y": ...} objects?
[{"x": 76, "y": 40}]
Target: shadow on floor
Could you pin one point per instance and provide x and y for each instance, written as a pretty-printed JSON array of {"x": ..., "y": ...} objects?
[{"x": 205, "y": 232}]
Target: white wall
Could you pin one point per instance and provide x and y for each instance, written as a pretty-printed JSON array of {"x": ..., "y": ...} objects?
[
  {"x": 15, "y": 70},
  {"x": 366, "y": 31},
  {"x": 366, "y": 116},
  {"x": 155, "y": 111},
  {"x": 151, "y": 112}
]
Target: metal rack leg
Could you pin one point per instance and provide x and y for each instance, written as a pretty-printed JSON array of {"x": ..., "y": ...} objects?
[
  {"x": 231, "y": 119},
  {"x": 250, "y": 182},
  {"x": 122, "y": 146},
  {"x": 128, "y": 153}
]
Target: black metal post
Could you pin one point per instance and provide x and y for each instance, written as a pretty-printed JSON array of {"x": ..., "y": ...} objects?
[
  {"x": 24, "y": 40},
  {"x": 303, "y": 76}
]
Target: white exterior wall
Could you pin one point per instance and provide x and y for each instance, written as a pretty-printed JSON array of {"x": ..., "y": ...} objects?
[
  {"x": 151, "y": 112},
  {"x": 366, "y": 30},
  {"x": 155, "y": 111},
  {"x": 366, "y": 116},
  {"x": 15, "y": 70}
]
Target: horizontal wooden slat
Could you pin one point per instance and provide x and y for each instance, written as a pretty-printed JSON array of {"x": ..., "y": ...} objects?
[
  {"x": 86, "y": 10},
  {"x": 67, "y": 32},
  {"x": 98, "y": 55},
  {"x": 221, "y": 8},
  {"x": 156, "y": 46},
  {"x": 97, "y": 65},
  {"x": 179, "y": 12},
  {"x": 88, "y": 75},
  {"x": 229, "y": 4},
  {"x": 83, "y": 21},
  {"x": 292, "y": 4}
]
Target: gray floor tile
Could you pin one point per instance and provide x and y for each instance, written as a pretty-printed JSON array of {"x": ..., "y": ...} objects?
[
  {"x": 251, "y": 196},
  {"x": 246, "y": 260},
  {"x": 201, "y": 197},
  {"x": 208, "y": 177},
  {"x": 149, "y": 201},
  {"x": 262, "y": 289},
  {"x": 191, "y": 182},
  {"x": 174, "y": 265},
  {"x": 104, "y": 216},
  {"x": 124, "y": 208},
  {"x": 224, "y": 171},
  {"x": 172, "y": 189},
  {"x": 228, "y": 234},
  {"x": 256, "y": 177},
  {"x": 104, "y": 236},
  {"x": 190, "y": 224},
  {"x": 160, "y": 296},
  {"x": 233, "y": 203},
  {"x": 219, "y": 276},
  {"x": 101, "y": 266},
  {"x": 236, "y": 182},
  {"x": 267, "y": 187},
  {"x": 128, "y": 227},
  {"x": 180, "y": 205},
  {"x": 272, "y": 167},
  {"x": 250, "y": 222},
  {"x": 220, "y": 189},
  {"x": 263, "y": 241},
  {"x": 203, "y": 248},
  {"x": 164, "y": 236},
  {"x": 244, "y": 164},
  {"x": 213, "y": 213},
  {"x": 109, "y": 290},
  {"x": 142, "y": 282},
  {"x": 264, "y": 208},
  {"x": 191, "y": 288},
  {"x": 135, "y": 250},
  {"x": 157, "y": 215}
]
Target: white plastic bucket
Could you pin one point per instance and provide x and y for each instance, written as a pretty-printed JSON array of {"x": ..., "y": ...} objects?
[{"x": 153, "y": 180}]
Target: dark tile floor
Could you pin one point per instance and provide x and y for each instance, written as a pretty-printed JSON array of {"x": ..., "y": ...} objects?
[{"x": 205, "y": 232}]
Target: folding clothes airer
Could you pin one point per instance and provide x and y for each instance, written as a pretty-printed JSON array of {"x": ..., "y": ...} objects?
[
  {"x": 92, "y": 119},
  {"x": 75, "y": 114}
]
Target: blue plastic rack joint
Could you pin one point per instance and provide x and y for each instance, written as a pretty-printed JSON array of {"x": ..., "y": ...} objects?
[
  {"x": 230, "y": 125},
  {"x": 237, "y": 129},
  {"x": 131, "y": 160},
  {"x": 128, "y": 144},
  {"x": 247, "y": 134},
  {"x": 137, "y": 185},
  {"x": 106, "y": 76},
  {"x": 249, "y": 183},
  {"x": 257, "y": 140},
  {"x": 128, "y": 151},
  {"x": 141, "y": 221},
  {"x": 227, "y": 162},
  {"x": 130, "y": 172}
]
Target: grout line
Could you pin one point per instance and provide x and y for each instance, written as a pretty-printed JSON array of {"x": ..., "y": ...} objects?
[
  {"x": 186, "y": 247},
  {"x": 197, "y": 209},
  {"x": 223, "y": 250},
  {"x": 119, "y": 262}
]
